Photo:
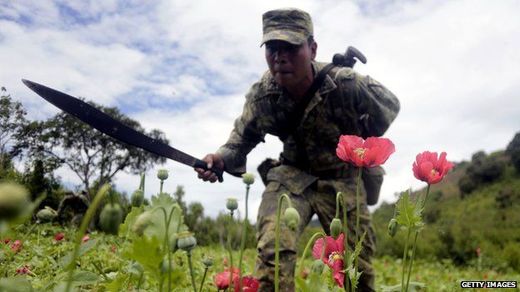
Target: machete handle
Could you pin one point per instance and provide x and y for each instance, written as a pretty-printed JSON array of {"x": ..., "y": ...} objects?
[{"x": 204, "y": 165}]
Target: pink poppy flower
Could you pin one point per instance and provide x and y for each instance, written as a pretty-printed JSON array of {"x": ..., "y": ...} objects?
[
  {"x": 23, "y": 270},
  {"x": 249, "y": 284},
  {"x": 59, "y": 236},
  {"x": 221, "y": 280},
  {"x": 371, "y": 152},
  {"x": 85, "y": 238},
  {"x": 333, "y": 255},
  {"x": 16, "y": 246},
  {"x": 430, "y": 168}
]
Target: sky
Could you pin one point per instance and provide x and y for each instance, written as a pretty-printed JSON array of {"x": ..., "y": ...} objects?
[{"x": 184, "y": 66}]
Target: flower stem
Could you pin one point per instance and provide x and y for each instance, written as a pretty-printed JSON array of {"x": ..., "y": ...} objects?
[
  {"x": 277, "y": 242},
  {"x": 309, "y": 243},
  {"x": 405, "y": 253},
  {"x": 243, "y": 242},
  {"x": 190, "y": 264},
  {"x": 358, "y": 185},
  {"x": 82, "y": 229},
  {"x": 230, "y": 251},
  {"x": 203, "y": 278},
  {"x": 415, "y": 240},
  {"x": 345, "y": 237}
]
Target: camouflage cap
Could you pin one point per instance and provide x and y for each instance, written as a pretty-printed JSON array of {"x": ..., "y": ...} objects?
[{"x": 289, "y": 24}]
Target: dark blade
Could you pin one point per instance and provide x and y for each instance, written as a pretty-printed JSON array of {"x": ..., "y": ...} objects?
[{"x": 112, "y": 127}]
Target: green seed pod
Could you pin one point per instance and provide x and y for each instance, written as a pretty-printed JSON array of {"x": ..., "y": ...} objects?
[
  {"x": 248, "y": 178},
  {"x": 46, "y": 214},
  {"x": 392, "y": 227},
  {"x": 173, "y": 242},
  {"x": 13, "y": 199},
  {"x": 110, "y": 218},
  {"x": 291, "y": 218},
  {"x": 317, "y": 267},
  {"x": 144, "y": 220},
  {"x": 335, "y": 227},
  {"x": 137, "y": 198},
  {"x": 232, "y": 204},
  {"x": 165, "y": 267},
  {"x": 186, "y": 241},
  {"x": 162, "y": 174},
  {"x": 207, "y": 261}
]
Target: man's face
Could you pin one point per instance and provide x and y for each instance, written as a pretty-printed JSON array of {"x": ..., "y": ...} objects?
[{"x": 290, "y": 64}]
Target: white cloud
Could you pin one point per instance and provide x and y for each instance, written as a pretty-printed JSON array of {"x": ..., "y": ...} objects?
[{"x": 451, "y": 63}]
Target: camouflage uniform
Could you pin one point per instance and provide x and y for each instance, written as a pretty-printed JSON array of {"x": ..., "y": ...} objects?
[{"x": 310, "y": 172}]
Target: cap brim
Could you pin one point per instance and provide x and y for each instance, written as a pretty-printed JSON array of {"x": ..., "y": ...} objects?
[{"x": 292, "y": 37}]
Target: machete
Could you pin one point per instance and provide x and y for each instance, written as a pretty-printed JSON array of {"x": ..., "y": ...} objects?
[{"x": 114, "y": 128}]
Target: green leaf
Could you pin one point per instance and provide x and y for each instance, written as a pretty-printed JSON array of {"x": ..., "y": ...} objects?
[
  {"x": 65, "y": 261},
  {"x": 357, "y": 250},
  {"x": 408, "y": 213},
  {"x": 126, "y": 228},
  {"x": 84, "y": 278},
  {"x": 164, "y": 202},
  {"x": 147, "y": 252},
  {"x": 15, "y": 284}
]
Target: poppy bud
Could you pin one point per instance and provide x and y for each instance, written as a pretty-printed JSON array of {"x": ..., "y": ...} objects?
[
  {"x": 248, "y": 178},
  {"x": 162, "y": 174},
  {"x": 335, "y": 227},
  {"x": 142, "y": 221},
  {"x": 291, "y": 218},
  {"x": 110, "y": 218},
  {"x": 232, "y": 204},
  {"x": 13, "y": 199},
  {"x": 137, "y": 198},
  {"x": 186, "y": 241},
  {"x": 46, "y": 214},
  {"x": 165, "y": 267},
  {"x": 317, "y": 267},
  {"x": 207, "y": 261},
  {"x": 392, "y": 227}
]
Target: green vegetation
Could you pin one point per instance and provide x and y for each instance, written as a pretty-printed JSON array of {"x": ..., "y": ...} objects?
[{"x": 460, "y": 221}]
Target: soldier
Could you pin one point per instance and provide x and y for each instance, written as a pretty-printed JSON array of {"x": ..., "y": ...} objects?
[{"x": 309, "y": 122}]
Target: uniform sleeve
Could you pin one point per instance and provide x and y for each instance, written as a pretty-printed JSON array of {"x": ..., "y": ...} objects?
[
  {"x": 246, "y": 134},
  {"x": 376, "y": 105}
]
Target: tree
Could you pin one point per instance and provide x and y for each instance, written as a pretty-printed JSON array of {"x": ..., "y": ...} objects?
[
  {"x": 90, "y": 154},
  {"x": 513, "y": 149},
  {"x": 12, "y": 120},
  {"x": 179, "y": 195}
]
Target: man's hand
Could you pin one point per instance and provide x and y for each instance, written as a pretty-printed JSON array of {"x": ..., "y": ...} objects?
[{"x": 213, "y": 161}]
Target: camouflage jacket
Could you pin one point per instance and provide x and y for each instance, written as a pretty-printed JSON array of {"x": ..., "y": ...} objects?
[{"x": 346, "y": 103}]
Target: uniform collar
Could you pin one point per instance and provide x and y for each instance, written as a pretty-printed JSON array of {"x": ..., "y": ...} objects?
[{"x": 272, "y": 88}]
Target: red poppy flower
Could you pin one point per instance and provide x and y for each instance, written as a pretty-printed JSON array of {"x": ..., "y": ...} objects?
[
  {"x": 221, "y": 280},
  {"x": 333, "y": 255},
  {"x": 59, "y": 236},
  {"x": 371, "y": 152},
  {"x": 23, "y": 270},
  {"x": 7, "y": 240},
  {"x": 430, "y": 168},
  {"x": 16, "y": 246},
  {"x": 249, "y": 284}
]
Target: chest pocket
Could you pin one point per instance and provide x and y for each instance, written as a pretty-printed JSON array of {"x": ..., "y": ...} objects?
[{"x": 340, "y": 107}]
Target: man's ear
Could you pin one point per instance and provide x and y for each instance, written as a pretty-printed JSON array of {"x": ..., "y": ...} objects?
[{"x": 314, "y": 48}]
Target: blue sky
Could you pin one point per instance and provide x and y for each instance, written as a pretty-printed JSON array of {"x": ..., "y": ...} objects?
[{"x": 184, "y": 67}]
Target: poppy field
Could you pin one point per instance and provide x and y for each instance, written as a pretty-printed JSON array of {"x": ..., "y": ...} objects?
[{"x": 151, "y": 248}]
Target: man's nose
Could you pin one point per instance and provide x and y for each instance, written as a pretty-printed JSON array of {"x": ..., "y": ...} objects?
[{"x": 280, "y": 55}]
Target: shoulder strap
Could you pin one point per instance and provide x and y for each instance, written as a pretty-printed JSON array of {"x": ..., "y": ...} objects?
[{"x": 300, "y": 108}]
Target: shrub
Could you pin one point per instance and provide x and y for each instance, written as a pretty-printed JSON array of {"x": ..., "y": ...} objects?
[{"x": 466, "y": 185}]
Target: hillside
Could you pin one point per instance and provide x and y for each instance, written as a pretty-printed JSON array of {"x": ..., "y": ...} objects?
[{"x": 476, "y": 206}]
